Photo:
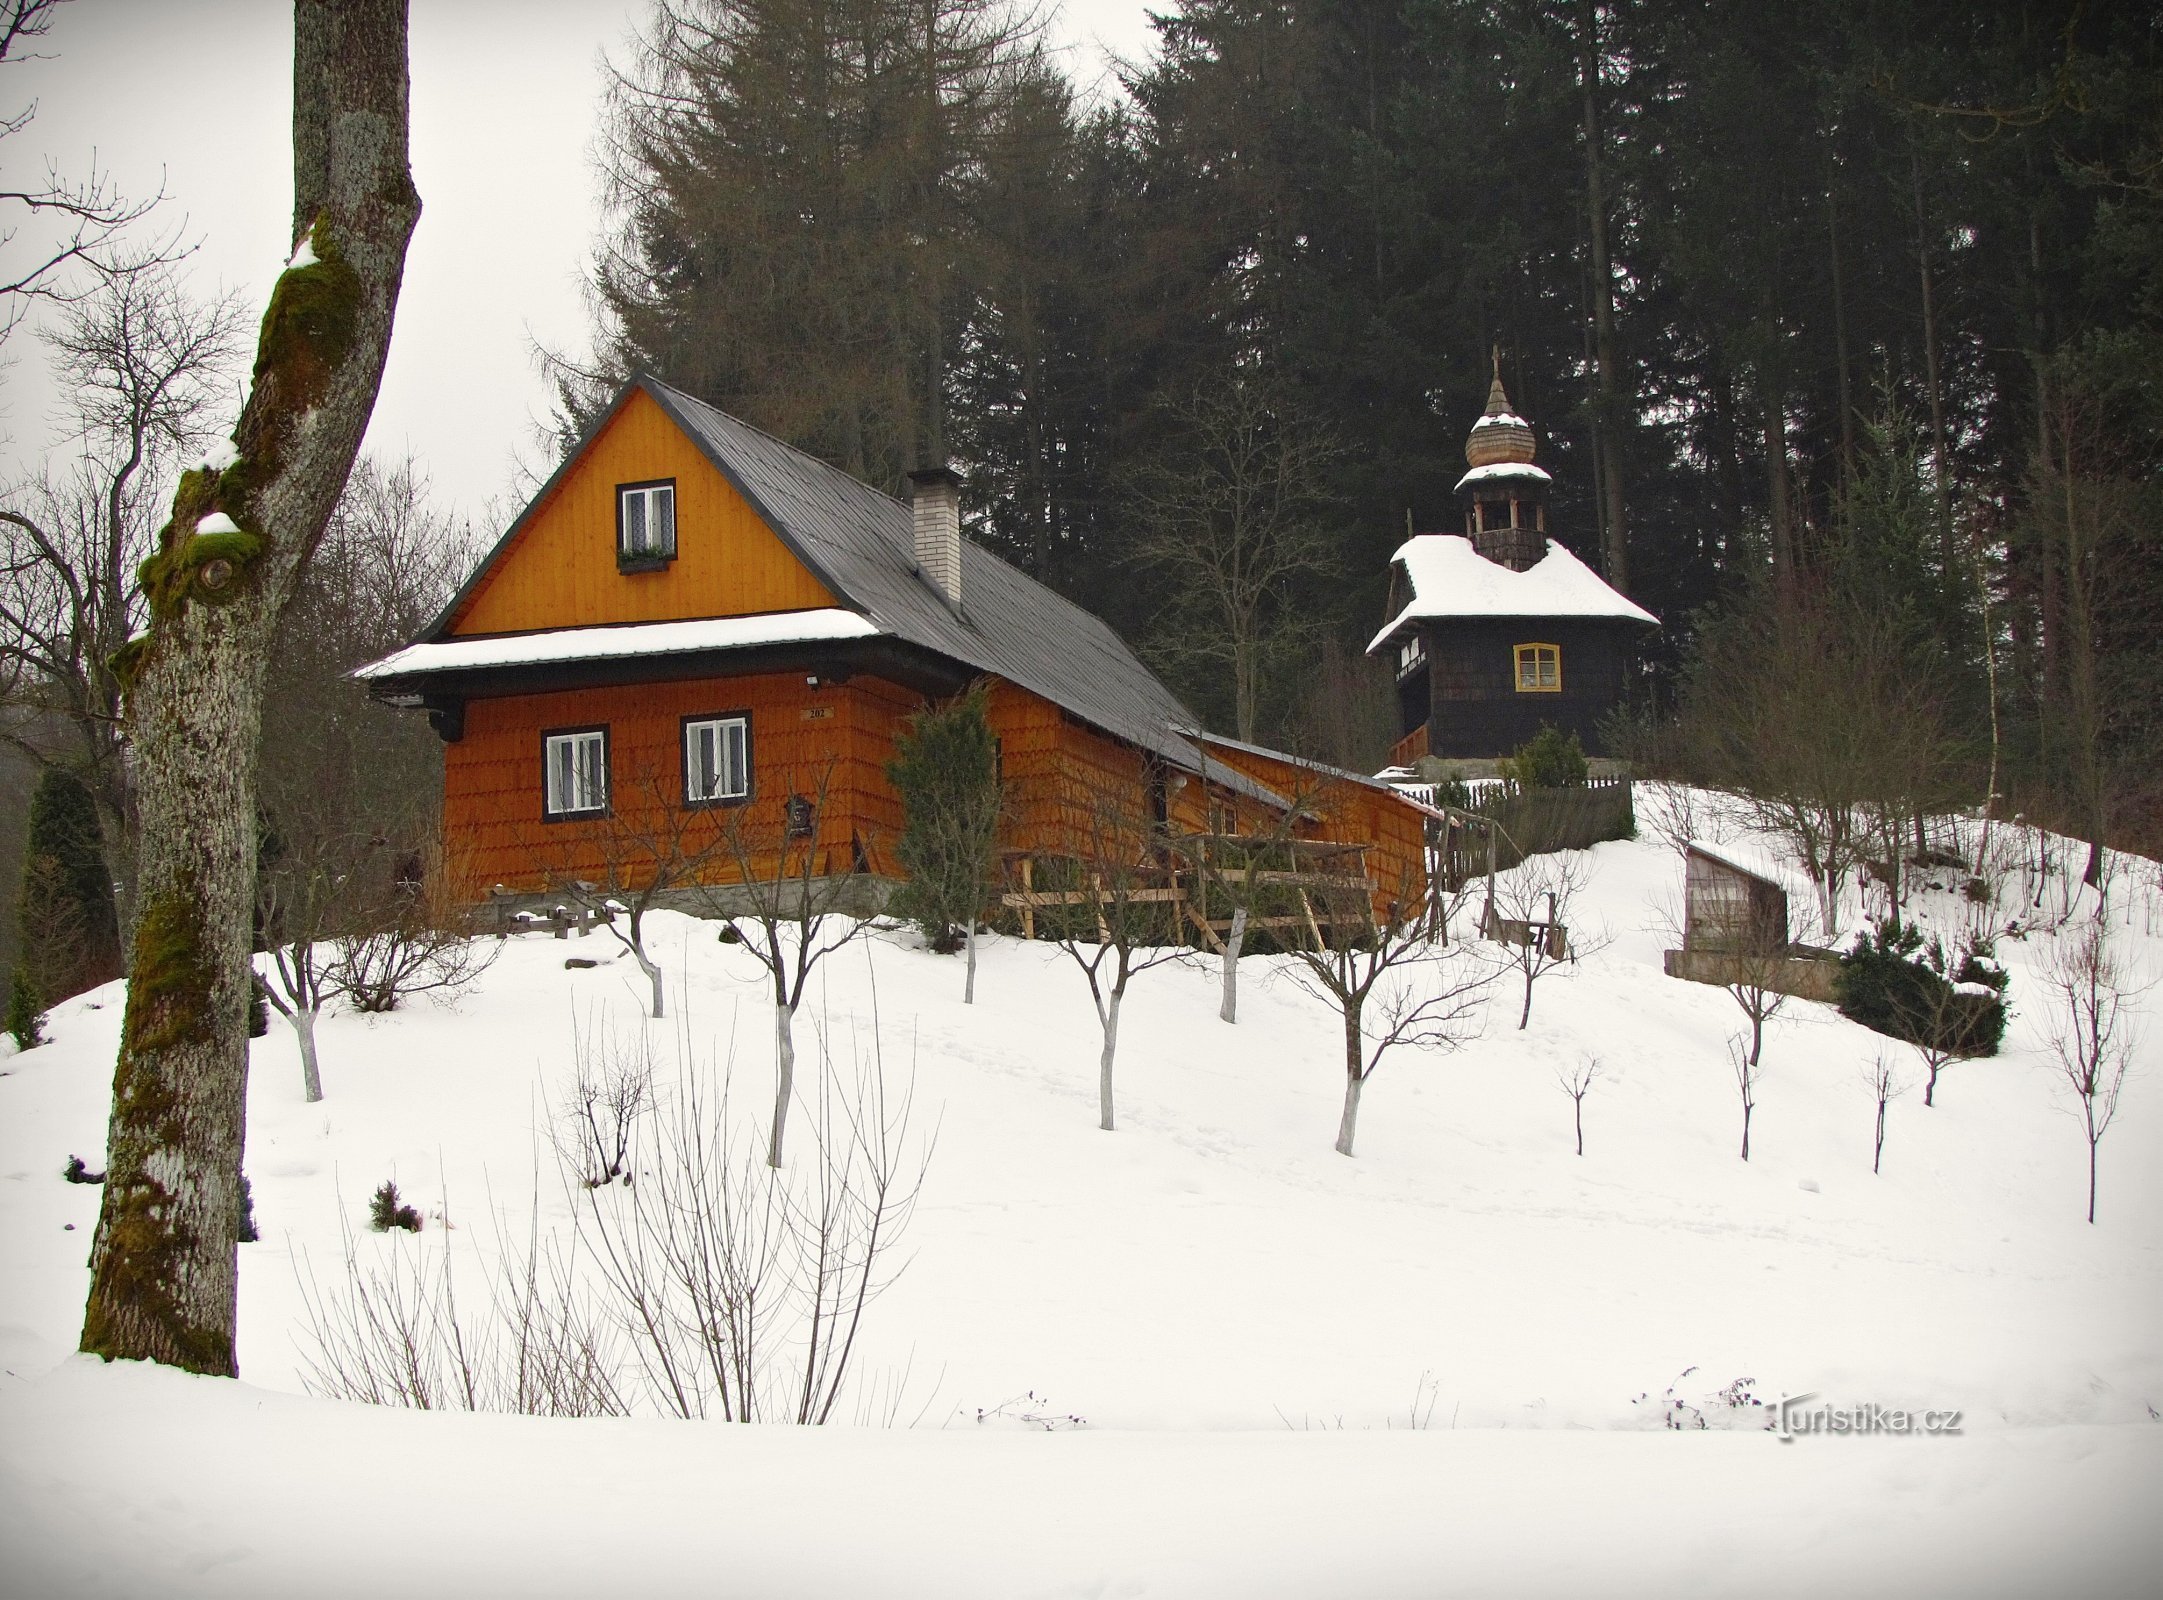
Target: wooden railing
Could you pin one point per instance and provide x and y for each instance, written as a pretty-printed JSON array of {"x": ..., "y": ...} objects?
[{"x": 1410, "y": 748}]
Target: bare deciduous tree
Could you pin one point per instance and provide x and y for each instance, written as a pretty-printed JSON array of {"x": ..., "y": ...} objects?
[
  {"x": 1233, "y": 517},
  {"x": 797, "y": 914},
  {"x": 1530, "y": 914},
  {"x": 1577, "y": 1082},
  {"x": 84, "y": 224},
  {"x": 1109, "y": 906},
  {"x": 1885, "y": 1083},
  {"x": 142, "y": 364},
  {"x": 1390, "y": 983},
  {"x": 2091, "y": 1030},
  {"x": 1748, "y": 1075}
]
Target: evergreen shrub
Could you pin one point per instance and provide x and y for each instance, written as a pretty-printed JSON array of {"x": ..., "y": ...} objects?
[
  {"x": 1895, "y": 982},
  {"x": 946, "y": 770},
  {"x": 25, "y": 1017},
  {"x": 386, "y": 1211},
  {"x": 1550, "y": 759}
]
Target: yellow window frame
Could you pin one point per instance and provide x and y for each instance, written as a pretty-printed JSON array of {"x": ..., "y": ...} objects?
[{"x": 1539, "y": 668}]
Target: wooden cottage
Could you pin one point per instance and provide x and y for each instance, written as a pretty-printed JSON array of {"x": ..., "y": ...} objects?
[
  {"x": 1500, "y": 629},
  {"x": 694, "y": 616}
]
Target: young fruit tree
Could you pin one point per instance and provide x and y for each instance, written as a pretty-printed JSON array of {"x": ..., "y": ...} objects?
[
  {"x": 1529, "y": 917},
  {"x": 651, "y": 841},
  {"x": 786, "y": 912},
  {"x": 1577, "y": 1082},
  {"x": 946, "y": 770},
  {"x": 1748, "y": 1075},
  {"x": 244, "y": 524},
  {"x": 2091, "y": 1030},
  {"x": 1111, "y": 905},
  {"x": 1885, "y": 1083},
  {"x": 1386, "y": 978}
]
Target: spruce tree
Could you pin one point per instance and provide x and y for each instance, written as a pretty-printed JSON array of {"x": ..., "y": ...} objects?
[
  {"x": 946, "y": 769},
  {"x": 68, "y": 933}
]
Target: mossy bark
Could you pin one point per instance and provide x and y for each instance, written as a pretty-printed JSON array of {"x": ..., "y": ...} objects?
[{"x": 164, "y": 1260}]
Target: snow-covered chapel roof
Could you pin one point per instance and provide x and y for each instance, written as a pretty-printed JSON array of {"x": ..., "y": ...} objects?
[{"x": 1448, "y": 578}]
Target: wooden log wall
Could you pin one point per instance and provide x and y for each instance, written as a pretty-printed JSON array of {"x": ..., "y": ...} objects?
[{"x": 494, "y": 831}]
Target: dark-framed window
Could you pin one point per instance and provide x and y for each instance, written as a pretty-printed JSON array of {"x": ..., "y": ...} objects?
[
  {"x": 716, "y": 758},
  {"x": 574, "y": 773},
  {"x": 645, "y": 525}
]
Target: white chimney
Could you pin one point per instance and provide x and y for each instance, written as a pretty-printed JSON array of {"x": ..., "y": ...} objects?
[{"x": 935, "y": 495}]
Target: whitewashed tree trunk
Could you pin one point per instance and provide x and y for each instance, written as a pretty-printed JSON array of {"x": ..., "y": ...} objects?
[
  {"x": 1108, "y": 1014},
  {"x": 968, "y": 988},
  {"x": 1348, "y": 1124},
  {"x": 652, "y": 969},
  {"x": 784, "y": 1078},
  {"x": 1355, "y": 1080},
  {"x": 164, "y": 1262},
  {"x": 1229, "y": 1010},
  {"x": 311, "y": 1077}
]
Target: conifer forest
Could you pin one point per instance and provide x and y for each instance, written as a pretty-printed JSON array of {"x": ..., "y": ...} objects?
[{"x": 1840, "y": 325}]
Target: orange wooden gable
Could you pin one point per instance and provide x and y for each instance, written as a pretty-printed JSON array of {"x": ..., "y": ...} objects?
[{"x": 558, "y": 567}]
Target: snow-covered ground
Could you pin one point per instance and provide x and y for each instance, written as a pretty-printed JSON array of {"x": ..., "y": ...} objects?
[{"x": 1412, "y": 1372}]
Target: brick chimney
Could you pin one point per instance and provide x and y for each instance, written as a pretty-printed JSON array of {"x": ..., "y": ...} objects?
[{"x": 935, "y": 496}]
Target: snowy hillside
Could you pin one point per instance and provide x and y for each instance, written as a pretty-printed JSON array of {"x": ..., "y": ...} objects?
[{"x": 1211, "y": 1288}]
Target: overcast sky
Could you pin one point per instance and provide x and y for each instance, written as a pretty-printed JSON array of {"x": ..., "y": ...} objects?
[{"x": 196, "y": 96}]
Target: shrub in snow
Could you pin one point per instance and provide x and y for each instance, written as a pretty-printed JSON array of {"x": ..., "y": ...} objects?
[
  {"x": 76, "y": 1172},
  {"x": 247, "y": 1233},
  {"x": 1029, "y": 1410},
  {"x": 1897, "y": 983},
  {"x": 946, "y": 770},
  {"x": 1550, "y": 759},
  {"x": 25, "y": 1018},
  {"x": 386, "y": 1211}
]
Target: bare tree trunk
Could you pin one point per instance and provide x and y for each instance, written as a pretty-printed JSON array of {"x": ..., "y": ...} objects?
[
  {"x": 1525, "y": 1016},
  {"x": 784, "y": 1077},
  {"x": 1109, "y": 1015},
  {"x": 1930, "y": 373},
  {"x": 1877, "y": 1152},
  {"x": 1615, "y": 548},
  {"x": 1578, "y": 1103},
  {"x": 968, "y": 987},
  {"x": 311, "y": 1076},
  {"x": 1229, "y": 1010},
  {"x": 164, "y": 1263}
]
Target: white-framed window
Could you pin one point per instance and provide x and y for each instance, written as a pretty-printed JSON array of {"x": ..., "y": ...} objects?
[
  {"x": 574, "y": 772},
  {"x": 717, "y": 759},
  {"x": 1411, "y": 655},
  {"x": 646, "y": 522}
]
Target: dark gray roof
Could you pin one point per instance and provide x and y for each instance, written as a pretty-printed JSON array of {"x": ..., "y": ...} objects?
[{"x": 861, "y": 544}]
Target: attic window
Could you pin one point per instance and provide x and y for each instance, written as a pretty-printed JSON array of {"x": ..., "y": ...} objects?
[
  {"x": 645, "y": 525},
  {"x": 1539, "y": 669},
  {"x": 1411, "y": 656}
]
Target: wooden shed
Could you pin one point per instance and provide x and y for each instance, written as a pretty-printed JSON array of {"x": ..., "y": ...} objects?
[
  {"x": 1729, "y": 909},
  {"x": 1735, "y": 930}
]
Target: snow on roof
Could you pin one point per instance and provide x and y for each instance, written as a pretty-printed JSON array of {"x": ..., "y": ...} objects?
[
  {"x": 1501, "y": 419},
  {"x": 1451, "y": 579},
  {"x": 605, "y": 643},
  {"x": 1759, "y": 864},
  {"x": 1503, "y": 469}
]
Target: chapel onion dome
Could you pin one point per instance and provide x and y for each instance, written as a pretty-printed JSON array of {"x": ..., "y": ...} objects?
[{"x": 1500, "y": 445}]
